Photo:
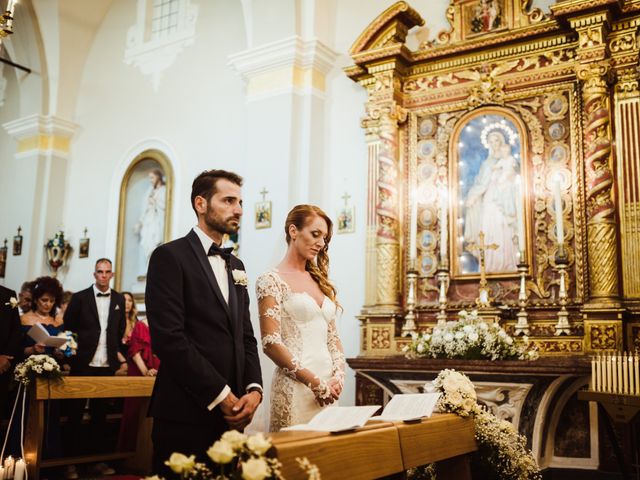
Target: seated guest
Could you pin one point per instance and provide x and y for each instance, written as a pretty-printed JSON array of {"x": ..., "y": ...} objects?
[
  {"x": 46, "y": 298},
  {"x": 66, "y": 298},
  {"x": 24, "y": 298},
  {"x": 142, "y": 362}
]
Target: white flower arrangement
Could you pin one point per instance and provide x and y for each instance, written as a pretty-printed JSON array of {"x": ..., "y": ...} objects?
[
  {"x": 250, "y": 453},
  {"x": 502, "y": 452},
  {"x": 35, "y": 366},
  {"x": 13, "y": 302},
  {"x": 469, "y": 338},
  {"x": 240, "y": 277}
]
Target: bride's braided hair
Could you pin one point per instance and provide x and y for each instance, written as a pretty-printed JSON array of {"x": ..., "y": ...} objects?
[{"x": 319, "y": 271}]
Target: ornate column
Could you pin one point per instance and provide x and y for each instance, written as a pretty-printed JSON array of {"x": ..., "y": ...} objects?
[
  {"x": 384, "y": 213},
  {"x": 602, "y": 314}
]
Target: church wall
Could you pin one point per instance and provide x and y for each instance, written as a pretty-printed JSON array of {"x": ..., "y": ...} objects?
[{"x": 198, "y": 112}]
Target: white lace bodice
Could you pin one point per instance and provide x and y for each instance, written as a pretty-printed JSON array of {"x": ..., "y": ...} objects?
[{"x": 301, "y": 338}]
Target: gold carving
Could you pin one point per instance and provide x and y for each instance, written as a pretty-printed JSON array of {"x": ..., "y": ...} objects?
[
  {"x": 381, "y": 338},
  {"x": 490, "y": 90},
  {"x": 558, "y": 346},
  {"x": 603, "y": 269},
  {"x": 602, "y": 335}
]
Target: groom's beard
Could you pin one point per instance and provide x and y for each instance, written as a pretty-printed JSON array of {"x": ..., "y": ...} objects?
[{"x": 219, "y": 224}]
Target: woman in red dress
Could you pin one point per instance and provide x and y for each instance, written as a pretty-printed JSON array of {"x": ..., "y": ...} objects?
[{"x": 142, "y": 362}]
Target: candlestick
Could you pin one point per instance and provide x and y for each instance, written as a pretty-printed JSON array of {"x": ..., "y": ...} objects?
[
  {"x": 2, "y": 475},
  {"x": 443, "y": 276},
  {"x": 557, "y": 194},
  {"x": 443, "y": 226},
  {"x": 413, "y": 230},
  {"x": 609, "y": 374},
  {"x": 522, "y": 325},
  {"x": 563, "y": 326},
  {"x": 598, "y": 373},
  {"x": 593, "y": 373},
  {"x": 20, "y": 469},
  {"x": 409, "y": 326}
]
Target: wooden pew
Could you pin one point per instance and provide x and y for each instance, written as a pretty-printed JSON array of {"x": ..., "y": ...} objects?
[
  {"x": 381, "y": 449},
  {"x": 87, "y": 387}
]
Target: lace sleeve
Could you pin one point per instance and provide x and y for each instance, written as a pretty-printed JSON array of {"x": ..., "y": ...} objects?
[
  {"x": 337, "y": 351},
  {"x": 269, "y": 296}
]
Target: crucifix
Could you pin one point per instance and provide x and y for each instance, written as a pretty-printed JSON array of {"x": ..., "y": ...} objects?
[
  {"x": 346, "y": 198},
  {"x": 264, "y": 193},
  {"x": 483, "y": 299}
]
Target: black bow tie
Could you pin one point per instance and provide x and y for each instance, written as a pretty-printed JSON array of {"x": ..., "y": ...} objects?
[
  {"x": 102, "y": 294},
  {"x": 225, "y": 253}
]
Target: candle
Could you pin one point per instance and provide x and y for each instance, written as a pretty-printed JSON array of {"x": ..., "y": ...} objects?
[
  {"x": 619, "y": 364},
  {"x": 443, "y": 226},
  {"x": 614, "y": 367},
  {"x": 413, "y": 230},
  {"x": 636, "y": 371},
  {"x": 599, "y": 373},
  {"x": 625, "y": 375},
  {"x": 593, "y": 373},
  {"x": 631, "y": 382},
  {"x": 11, "y": 7},
  {"x": 609, "y": 373},
  {"x": 20, "y": 469},
  {"x": 521, "y": 222},
  {"x": 9, "y": 463},
  {"x": 1, "y": 472},
  {"x": 557, "y": 197}
]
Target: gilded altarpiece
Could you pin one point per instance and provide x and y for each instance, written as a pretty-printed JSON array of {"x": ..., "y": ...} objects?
[
  {"x": 505, "y": 113},
  {"x": 524, "y": 125}
]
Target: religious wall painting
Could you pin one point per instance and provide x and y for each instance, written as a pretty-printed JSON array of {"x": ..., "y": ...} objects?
[
  {"x": 263, "y": 211},
  {"x": 83, "y": 250},
  {"x": 426, "y": 149},
  {"x": 484, "y": 16},
  {"x": 427, "y": 127},
  {"x": 555, "y": 106},
  {"x": 3, "y": 259},
  {"x": 488, "y": 191},
  {"x": 17, "y": 243},
  {"x": 428, "y": 264},
  {"x": 144, "y": 218},
  {"x": 346, "y": 219}
]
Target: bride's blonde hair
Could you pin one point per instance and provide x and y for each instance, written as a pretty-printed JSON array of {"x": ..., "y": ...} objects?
[{"x": 319, "y": 271}]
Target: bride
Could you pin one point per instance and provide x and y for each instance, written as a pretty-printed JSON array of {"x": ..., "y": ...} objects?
[{"x": 298, "y": 307}]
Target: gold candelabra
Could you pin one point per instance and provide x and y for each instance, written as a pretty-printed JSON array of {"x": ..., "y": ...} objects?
[
  {"x": 6, "y": 20},
  {"x": 562, "y": 262},
  {"x": 522, "y": 326},
  {"x": 409, "y": 326},
  {"x": 443, "y": 285}
]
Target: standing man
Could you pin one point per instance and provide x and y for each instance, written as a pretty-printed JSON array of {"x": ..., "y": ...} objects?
[
  {"x": 10, "y": 341},
  {"x": 24, "y": 298},
  {"x": 198, "y": 308},
  {"x": 96, "y": 315}
]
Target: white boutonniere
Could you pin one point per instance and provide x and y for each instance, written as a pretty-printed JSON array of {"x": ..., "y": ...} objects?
[
  {"x": 240, "y": 277},
  {"x": 13, "y": 302}
]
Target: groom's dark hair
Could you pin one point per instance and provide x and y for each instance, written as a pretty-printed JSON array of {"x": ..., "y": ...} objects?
[{"x": 204, "y": 185}]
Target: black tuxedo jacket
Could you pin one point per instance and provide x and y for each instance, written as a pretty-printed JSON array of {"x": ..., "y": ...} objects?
[
  {"x": 10, "y": 331},
  {"x": 203, "y": 343},
  {"x": 81, "y": 317}
]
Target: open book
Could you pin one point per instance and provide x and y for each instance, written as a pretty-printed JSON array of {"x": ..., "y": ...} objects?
[
  {"x": 337, "y": 419},
  {"x": 40, "y": 335},
  {"x": 409, "y": 406}
]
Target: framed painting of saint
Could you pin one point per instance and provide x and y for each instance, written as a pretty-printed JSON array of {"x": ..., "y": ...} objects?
[
  {"x": 144, "y": 218},
  {"x": 484, "y": 16},
  {"x": 488, "y": 178}
]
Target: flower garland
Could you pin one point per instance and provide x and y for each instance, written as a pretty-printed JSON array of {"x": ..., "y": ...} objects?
[
  {"x": 502, "y": 451},
  {"x": 469, "y": 338},
  {"x": 245, "y": 457}
]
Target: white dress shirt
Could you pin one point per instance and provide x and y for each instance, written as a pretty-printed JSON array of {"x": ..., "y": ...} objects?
[
  {"x": 100, "y": 357},
  {"x": 219, "y": 267}
]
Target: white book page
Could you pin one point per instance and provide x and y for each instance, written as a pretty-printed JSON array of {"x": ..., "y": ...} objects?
[
  {"x": 40, "y": 335},
  {"x": 337, "y": 419},
  {"x": 409, "y": 406}
]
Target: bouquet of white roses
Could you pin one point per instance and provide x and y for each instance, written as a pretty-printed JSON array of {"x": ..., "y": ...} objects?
[
  {"x": 249, "y": 452},
  {"x": 469, "y": 338},
  {"x": 35, "y": 366},
  {"x": 503, "y": 452}
]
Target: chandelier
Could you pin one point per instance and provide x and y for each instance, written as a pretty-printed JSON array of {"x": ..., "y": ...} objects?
[{"x": 6, "y": 20}]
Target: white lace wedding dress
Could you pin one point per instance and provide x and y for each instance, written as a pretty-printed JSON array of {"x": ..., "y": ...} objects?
[{"x": 300, "y": 336}]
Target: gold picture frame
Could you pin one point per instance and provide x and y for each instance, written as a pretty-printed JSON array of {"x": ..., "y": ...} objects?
[
  {"x": 470, "y": 150},
  {"x": 138, "y": 193},
  {"x": 263, "y": 214}
]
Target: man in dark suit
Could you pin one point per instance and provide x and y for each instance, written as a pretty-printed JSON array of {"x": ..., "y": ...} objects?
[
  {"x": 198, "y": 309},
  {"x": 10, "y": 341},
  {"x": 97, "y": 316}
]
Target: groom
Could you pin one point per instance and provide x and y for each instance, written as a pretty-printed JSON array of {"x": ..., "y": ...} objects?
[{"x": 197, "y": 303}]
